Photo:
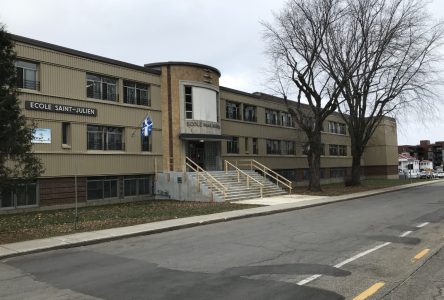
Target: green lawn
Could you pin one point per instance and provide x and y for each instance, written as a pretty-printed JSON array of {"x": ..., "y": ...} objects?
[{"x": 34, "y": 225}]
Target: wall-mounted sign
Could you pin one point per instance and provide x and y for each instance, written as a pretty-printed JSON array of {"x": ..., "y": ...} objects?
[
  {"x": 200, "y": 123},
  {"x": 41, "y": 136},
  {"x": 66, "y": 109}
]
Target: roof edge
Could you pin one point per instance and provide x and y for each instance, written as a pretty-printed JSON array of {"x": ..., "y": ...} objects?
[
  {"x": 182, "y": 63},
  {"x": 26, "y": 40}
]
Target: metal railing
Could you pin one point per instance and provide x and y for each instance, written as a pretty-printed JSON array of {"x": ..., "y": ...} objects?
[
  {"x": 266, "y": 171},
  {"x": 202, "y": 175},
  {"x": 239, "y": 172}
]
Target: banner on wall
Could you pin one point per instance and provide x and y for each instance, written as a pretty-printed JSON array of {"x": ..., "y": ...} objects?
[{"x": 41, "y": 136}]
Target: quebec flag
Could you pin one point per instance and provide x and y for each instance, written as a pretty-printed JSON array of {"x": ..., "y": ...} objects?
[{"x": 147, "y": 127}]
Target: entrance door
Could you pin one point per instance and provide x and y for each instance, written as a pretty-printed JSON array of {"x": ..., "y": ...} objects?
[{"x": 196, "y": 152}]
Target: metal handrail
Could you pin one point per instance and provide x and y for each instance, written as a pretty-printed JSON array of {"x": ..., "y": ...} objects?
[
  {"x": 211, "y": 181},
  {"x": 267, "y": 171},
  {"x": 239, "y": 171}
]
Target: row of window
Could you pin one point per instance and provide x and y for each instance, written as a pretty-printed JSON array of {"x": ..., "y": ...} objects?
[
  {"x": 238, "y": 111},
  {"x": 21, "y": 196},
  {"x": 97, "y": 86},
  {"x": 104, "y": 138},
  {"x": 105, "y": 187},
  {"x": 280, "y": 147}
]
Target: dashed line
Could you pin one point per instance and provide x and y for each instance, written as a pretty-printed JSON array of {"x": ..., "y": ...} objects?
[
  {"x": 370, "y": 291},
  {"x": 359, "y": 255},
  {"x": 423, "y": 224},
  {"x": 405, "y": 233},
  {"x": 420, "y": 255}
]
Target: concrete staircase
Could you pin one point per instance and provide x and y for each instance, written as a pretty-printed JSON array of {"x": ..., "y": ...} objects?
[{"x": 238, "y": 190}]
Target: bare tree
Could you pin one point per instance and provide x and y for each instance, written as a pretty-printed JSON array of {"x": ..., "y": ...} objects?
[
  {"x": 295, "y": 44},
  {"x": 386, "y": 52}
]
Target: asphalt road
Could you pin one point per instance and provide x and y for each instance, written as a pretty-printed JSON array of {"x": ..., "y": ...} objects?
[{"x": 384, "y": 246}]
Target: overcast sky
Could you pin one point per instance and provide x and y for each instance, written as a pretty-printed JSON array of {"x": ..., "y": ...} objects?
[{"x": 224, "y": 34}]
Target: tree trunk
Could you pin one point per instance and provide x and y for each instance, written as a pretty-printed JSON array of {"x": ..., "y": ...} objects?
[
  {"x": 356, "y": 170},
  {"x": 314, "y": 162}
]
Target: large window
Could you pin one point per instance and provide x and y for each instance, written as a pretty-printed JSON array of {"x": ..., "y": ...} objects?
[
  {"x": 100, "y": 87},
  {"x": 288, "y": 147},
  {"x": 271, "y": 117},
  {"x": 250, "y": 113},
  {"x": 286, "y": 119},
  {"x": 233, "y": 145},
  {"x": 255, "y": 146},
  {"x": 137, "y": 185},
  {"x": 136, "y": 93},
  {"x": 273, "y": 147},
  {"x": 233, "y": 110},
  {"x": 26, "y": 75},
  {"x": 337, "y": 172},
  {"x": 101, "y": 187},
  {"x": 104, "y": 138},
  {"x": 338, "y": 150},
  {"x": 20, "y": 196},
  {"x": 147, "y": 143},
  {"x": 188, "y": 102},
  {"x": 335, "y": 127}
]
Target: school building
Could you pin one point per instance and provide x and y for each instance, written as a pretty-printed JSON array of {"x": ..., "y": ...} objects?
[{"x": 88, "y": 112}]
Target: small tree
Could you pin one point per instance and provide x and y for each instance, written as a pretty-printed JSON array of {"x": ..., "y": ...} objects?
[
  {"x": 386, "y": 52},
  {"x": 295, "y": 44},
  {"x": 16, "y": 158}
]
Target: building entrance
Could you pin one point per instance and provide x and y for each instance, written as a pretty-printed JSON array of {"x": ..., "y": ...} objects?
[{"x": 205, "y": 154}]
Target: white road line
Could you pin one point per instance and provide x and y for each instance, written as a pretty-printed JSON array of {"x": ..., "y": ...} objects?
[
  {"x": 359, "y": 255},
  {"x": 405, "y": 233},
  {"x": 311, "y": 278},
  {"x": 423, "y": 224}
]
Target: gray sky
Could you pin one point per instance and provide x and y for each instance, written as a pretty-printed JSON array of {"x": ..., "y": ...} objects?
[{"x": 224, "y": 34}]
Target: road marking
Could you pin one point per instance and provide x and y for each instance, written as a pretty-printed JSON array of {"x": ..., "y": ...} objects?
[
  {"x": 359, "y": 255},
  {"x": 370, "y": 291},
  {"x": 355, "y": 257},
  {"x": 420, "y": 255},
  {"x": 423, "y": 224},
  {"x": 405, "y": 234}
]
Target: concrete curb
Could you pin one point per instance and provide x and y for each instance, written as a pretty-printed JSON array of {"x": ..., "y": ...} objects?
[{"x": 94, "y": 237}]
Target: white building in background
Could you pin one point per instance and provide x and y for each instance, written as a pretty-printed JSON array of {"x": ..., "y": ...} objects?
[
  {"x": 426, "y": 165},
  {"x": 404, "y": 159}
]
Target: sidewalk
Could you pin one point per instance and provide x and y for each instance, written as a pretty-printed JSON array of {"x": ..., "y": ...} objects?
[{"x": 274, "y": 205}]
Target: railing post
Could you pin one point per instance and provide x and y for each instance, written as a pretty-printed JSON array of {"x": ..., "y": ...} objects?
[
  {"x": 251, "y": 165},
  {"x": 248, "y": 182},
  {"x": 238, "y": 176},
  {"x": 262, "y": 195}
]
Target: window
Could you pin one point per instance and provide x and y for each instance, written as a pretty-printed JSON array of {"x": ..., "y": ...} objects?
[
  {"x": 250, "y": 113},
  {"x": 147, "y": 143},
  {"x": 338, "y": 150},
  {"x": 338, "y": 128},
  {"x": 255, "y": 149},
  {"x": 286, "y": 119},
  {"x": 246, "y": 145},
  {"x": 137, "y": 185},
  {"x": 66, "y": 133},
  {"x": 26, "y": 75},
  {"x": 188, "y": 102},
  {"x": 273, "y": 147},
  {"x": 104, "y": 138},
  {"x": 233, "y": 110},
  {"x": 136, "y": 93},
  {"x": 100, "y": 87},
  {"x": 337, "y": 172},
  {"x": 20, "y": 196},
  {"x": 101, "y": 187},
  {"x": 290, "y": 174},
  {"x": 271, "y": 117},
  {"x": 233, "y": 145},
  {"x": 288, "y": 147}
]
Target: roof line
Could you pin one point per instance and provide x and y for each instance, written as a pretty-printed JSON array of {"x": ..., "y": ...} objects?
[{"x": 26, "y": 40}]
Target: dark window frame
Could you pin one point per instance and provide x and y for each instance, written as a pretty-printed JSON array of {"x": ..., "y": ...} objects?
[
  {"x": 233, "y": 110},
  {"x": 233, "y": 145},
  {"x": 105, "y": 137},
  {"x": 101, "y": 87},
  {"x": 136, "y": 93},
  {"x": 23, "y": 70}
]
